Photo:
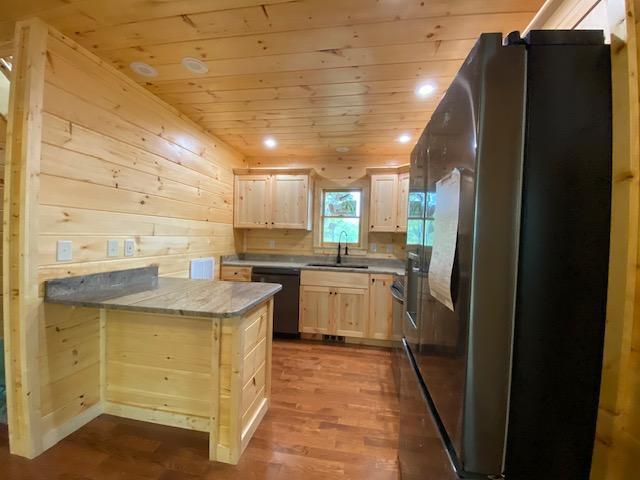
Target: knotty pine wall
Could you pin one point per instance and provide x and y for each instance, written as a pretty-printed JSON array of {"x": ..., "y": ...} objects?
[
  {"x": 119, "y": 163},
  {"x": 341, "y": 170},
  {"x": 116, "y": 163},
  {"x": 3, "y": 134}
]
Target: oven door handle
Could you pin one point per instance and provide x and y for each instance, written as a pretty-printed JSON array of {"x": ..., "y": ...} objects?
[{"x": 397, "y": 296}]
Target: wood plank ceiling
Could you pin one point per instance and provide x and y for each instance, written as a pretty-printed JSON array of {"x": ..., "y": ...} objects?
[{"x": 314, "y": 74}]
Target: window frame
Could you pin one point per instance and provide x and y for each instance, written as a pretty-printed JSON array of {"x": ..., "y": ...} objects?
[
  {"x": 322, "y": 216},
  {"x": 420, "y": 218}
]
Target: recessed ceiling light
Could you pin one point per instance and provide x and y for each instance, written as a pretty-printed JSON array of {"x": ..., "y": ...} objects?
[
  {"x": 342, "y": 149},
  {"x": 270, "y": 142},
  {"x": 194, "y": 65},
  {"x": 143, "y": 69},
  {"x": 404, "y": 138},
  {"x": 425, "y": 89}
]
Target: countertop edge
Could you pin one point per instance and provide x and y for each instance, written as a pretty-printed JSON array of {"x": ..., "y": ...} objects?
[{"x": 163, "y": 310}]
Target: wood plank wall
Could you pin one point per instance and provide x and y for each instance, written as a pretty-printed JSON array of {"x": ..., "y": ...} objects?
[
  {"x": 342, "y": 172},
  {"x": 617, "y": 447},
  {"x": 119, "y": 163},
  {"x": 116, "y": 163},
  {"x": 3, "y": 134}
]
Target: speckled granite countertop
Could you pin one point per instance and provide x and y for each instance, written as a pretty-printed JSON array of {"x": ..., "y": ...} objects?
[
  {"x": 375, "y": 266},
  {"x": 139, "y": 290}
]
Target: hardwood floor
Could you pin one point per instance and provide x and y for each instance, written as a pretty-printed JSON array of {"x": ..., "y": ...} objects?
[{"x": 334, "y": 415}]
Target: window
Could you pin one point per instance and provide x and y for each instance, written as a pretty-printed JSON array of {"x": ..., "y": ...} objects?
[
  {"x": 341, "y": 212},
  {"x": 420, "y": 223},
  {"x": 430, "y": 219}
]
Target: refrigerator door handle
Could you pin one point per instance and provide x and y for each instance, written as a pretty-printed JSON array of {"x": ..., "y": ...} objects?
[{"x": 410, "y": 318}]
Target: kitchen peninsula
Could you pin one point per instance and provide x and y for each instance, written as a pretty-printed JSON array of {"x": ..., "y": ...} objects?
[{"x": 193, "y": 354}]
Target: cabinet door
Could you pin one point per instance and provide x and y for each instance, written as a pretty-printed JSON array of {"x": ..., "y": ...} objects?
[
  {"x": 403, "y": 200},
  {"x": 384, "y": 192},
  {"x": 316, "y": 309},
  {"x": 251, "y": 208},
  {"x": 380, "y": 308},
  {"x": 290, "y": 202},
  {"x": 351, "y": 311}
]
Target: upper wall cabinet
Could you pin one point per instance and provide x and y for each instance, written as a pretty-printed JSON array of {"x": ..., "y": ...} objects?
[
  {"x": 403, "y": 202},
  {"x": 273, "y": 200},
  {"x": 389, "y": 197},
  {"x": 251, "y": 202}
]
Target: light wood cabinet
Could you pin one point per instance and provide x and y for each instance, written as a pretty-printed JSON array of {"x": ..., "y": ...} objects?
[
  {"x": 235, "y": 273},
  {"x": 273, "y": 201},
  {"x": 403, "y": 202},
  {"x": 383, "y": 210},
  {"x": 351, "y": 308},
  {"x": 316, "y": 309},
  {"x": 380, "y": 307},
  {"x": 251, "y": 202},
  {"x": 333, "y": 311},
  {"x": 388, "y": 202},
  {"x": 343, "y": 303},
  {"x": 291, "y": 202}
]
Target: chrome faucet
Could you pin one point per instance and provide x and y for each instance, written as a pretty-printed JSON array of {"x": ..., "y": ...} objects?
[{"x": 346, "y": 247}]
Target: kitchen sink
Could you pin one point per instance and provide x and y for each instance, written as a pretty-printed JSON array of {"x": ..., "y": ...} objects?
[{"x": 336, "y": 265}]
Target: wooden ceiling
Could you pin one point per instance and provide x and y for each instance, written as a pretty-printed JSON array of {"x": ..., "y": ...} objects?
[{"x": 314, "y": 74}]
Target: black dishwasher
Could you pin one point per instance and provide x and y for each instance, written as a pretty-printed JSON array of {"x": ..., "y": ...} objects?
[{"x": 285, "y": 308}]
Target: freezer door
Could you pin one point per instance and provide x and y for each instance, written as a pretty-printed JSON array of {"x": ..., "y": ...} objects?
[{"x": 421, "y": 453}]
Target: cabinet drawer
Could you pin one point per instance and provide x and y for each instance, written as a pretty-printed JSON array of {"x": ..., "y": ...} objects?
[
  {"x": 252, "y": 394},
  {"x": 254, "y": 360},
  {"x": 255, "y": 330},
  {"x": 334, "y": 279},
  {"x": 235, "y": 273}
]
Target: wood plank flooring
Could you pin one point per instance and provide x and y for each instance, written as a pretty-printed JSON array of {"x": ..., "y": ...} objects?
[{"x": 334, "y": 415}]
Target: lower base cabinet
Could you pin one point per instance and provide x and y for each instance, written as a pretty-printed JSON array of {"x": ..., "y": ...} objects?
[
  {"x": 346, "y": 304},
  {"x": 316, "y": 309},
  {"x": 380, "y": 307}
]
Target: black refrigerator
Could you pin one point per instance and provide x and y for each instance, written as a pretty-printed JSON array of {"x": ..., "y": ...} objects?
[{"x": 507, "y": 259}]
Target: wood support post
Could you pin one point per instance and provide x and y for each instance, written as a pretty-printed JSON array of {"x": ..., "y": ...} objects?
[{"x": 22, "y": 304}]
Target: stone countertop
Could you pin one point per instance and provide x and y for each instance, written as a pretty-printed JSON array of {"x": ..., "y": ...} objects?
[
  {"x": 304, "y": 266},
  {"x": 177, "y": 296}
]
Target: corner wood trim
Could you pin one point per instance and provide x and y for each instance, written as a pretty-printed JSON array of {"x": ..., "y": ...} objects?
[{"x": 22, "y": 305}]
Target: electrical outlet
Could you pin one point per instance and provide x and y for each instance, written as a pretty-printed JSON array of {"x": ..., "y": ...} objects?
[
  {"x": 113, "y": 248},
  {"x": 373, "y": 247},
  {"x": 64, "y": 251},
  {"x": 271, "y": 243},
  {"x": 389, "y": 248},
  {"x": 129, "y": 247}
]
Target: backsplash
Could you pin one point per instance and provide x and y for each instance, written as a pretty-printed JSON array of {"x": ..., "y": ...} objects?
[
  {"x": 298, "y": 242},
  {"x": 305, "y": 259}
]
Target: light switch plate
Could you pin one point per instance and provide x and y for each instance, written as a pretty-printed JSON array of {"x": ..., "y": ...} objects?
[
  {"x": 64, "y": 251},
  {"x": 373, "y": 247},
  {"x": 272, "y": 244},
  {"x": 129, "y": 247},
  {"x": 389, "y": 248},
  {"x": 113, "y": 248}
]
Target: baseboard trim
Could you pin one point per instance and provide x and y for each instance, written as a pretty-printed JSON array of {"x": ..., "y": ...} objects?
[
  {"x": 56, "y": 434},
  {"x": 170, "y": 419}
]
